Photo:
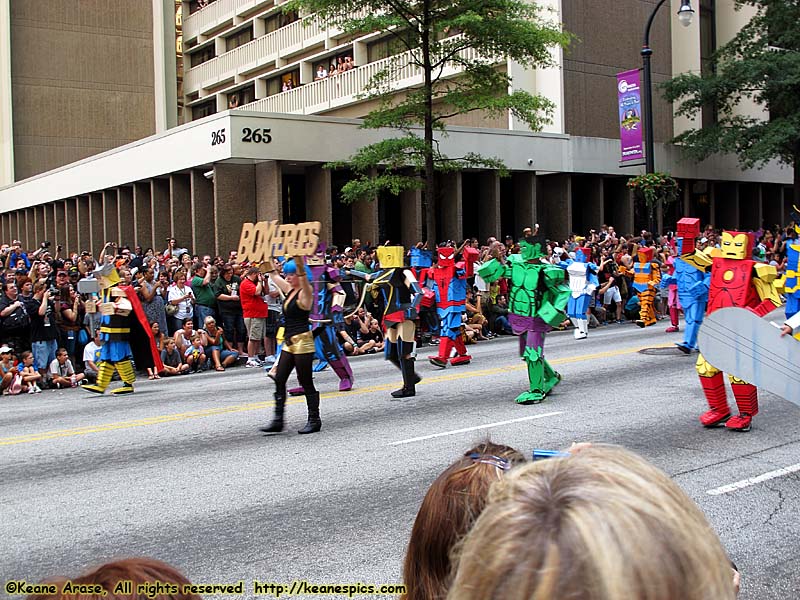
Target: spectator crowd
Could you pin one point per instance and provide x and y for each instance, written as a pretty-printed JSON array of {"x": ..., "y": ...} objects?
[{"x": 214, "y": 312}]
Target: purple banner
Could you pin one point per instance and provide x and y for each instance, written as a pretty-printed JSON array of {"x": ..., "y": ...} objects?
[{"x": 630, "y": 116}]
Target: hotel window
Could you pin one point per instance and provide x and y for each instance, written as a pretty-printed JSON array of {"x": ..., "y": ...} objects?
[
  {"x": 708, "y": 44},
  {"x": 203, "y": 110},
  {"x": 283, "y": 83},
  {"x": 246, "y": 95},
  {"x": 386, "y": 47},
  {"x": 196, "y": 5},
  {"x": 280, "y": 19},
  {"x": 201, "y": 56},
  {"x": 239, "y": 38}
]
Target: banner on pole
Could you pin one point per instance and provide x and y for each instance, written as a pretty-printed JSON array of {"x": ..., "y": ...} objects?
[{"x": 629, "y": 103}]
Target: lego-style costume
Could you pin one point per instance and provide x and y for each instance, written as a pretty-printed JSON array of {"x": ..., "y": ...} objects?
[
  {"x": 421, "y": 262},
  {"x": 646, "y": 277},
  {"x": 736, "y": 280},
  {"x": 789, "y": 283},
  {"x": 537, "y": 301},
  {"x": 691, "y": 274},
  {"x": 327, "y": 318},
  {"x": 124, "y": 329},
  {"x": 448, "y": 280},
  {"x": 582, "y": 284},
  {"x": 402, "y": 295},
  {"x": 673, "y": 301}
]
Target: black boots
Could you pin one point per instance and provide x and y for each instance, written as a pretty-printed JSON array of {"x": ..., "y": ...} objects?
[
  {"x": 410, "y": 379},
  {"x": 277, "y": 421},
  {"x": 314, "y": 423}
]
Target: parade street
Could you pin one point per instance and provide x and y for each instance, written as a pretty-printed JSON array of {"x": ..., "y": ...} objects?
[{"x": 180, "y": 472}]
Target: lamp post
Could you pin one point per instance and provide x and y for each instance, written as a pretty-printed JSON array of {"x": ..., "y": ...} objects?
[{"x": 685, "y": 14}]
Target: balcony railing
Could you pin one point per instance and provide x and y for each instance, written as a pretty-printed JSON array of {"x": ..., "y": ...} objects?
[
  {"x": 345, "y": 88},
  {"x": 253, "y": 55},
  {"x": 215, "y": 14}
]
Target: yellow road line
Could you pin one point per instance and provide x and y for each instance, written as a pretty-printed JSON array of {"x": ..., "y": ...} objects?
[{"x": 185, "y": 416}]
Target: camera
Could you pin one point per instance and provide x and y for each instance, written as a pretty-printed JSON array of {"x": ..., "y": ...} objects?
[
  {"x": 53, "y": 290},
  {"x": 45, "y": 244}
]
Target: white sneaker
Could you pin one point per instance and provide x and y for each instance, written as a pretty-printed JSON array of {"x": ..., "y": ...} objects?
[
  {"x": 252, "y": 363},
  {"x": 32, "y": 389}
]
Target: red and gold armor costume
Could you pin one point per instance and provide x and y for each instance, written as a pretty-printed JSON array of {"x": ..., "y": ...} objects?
[{"x": 736, "y": 280}]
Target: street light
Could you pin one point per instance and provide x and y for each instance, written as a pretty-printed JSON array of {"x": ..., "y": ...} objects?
[{"x": 685, "y": 15}]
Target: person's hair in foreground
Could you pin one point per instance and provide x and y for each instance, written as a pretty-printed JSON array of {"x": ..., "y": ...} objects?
[
  {"x": 449, "y": 509},
  {"x": 602, "y": 524},
  {"x": 136, "y": 570}
]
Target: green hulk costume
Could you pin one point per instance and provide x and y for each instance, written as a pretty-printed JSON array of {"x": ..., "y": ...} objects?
[{"x": 537, "y": 301}]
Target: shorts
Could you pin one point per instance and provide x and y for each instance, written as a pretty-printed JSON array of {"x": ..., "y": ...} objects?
[
  {"x": 235, "y": 331},
  {"x": 256, "y": 328},
  {"x": 271, "y": 329},
  {"x": 610, "y": 294}
]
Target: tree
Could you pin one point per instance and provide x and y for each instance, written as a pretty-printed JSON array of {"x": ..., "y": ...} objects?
[
  {"x": 455, "y": 47},
  {"x": 761, "y": 63}
]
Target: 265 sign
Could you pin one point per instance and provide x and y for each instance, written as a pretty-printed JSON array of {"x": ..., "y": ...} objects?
[
  {"x": 218, "y": 137},
  {"x": 258, "y": 136}
]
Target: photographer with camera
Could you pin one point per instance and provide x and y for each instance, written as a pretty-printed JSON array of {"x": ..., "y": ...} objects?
[
  {"x": 15, "y": 330},
  {"x": 44, "y": 332}
]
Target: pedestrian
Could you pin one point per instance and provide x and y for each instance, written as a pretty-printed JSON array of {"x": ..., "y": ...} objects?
[{"x": 298, "y": 348}]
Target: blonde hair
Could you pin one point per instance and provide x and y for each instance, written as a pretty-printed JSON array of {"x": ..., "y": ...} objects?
[
  {"x": 450, "y": 507},
  {"x": 603, "y": 524}
]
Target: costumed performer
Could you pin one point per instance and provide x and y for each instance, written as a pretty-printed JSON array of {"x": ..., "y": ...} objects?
[
  {"x": 448, "y": 280},
  {"x": 124, "y": 329},
  {"x": 537, "y": 301},
  {"x": 736, "y": 280},
  {"x": 298, "y": 345},
  {"x": 402, "y": 296},
  {"x": 646, "y": 276},
  {"x": 327, "y": 318},
  {"x": 582, "y": 284}
]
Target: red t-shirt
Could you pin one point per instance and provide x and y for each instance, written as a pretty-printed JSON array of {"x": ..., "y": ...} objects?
[{"x": 253, "y": 307}]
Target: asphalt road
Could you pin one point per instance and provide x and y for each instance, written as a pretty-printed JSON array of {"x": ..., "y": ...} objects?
[{"x": 178, "y": 471}]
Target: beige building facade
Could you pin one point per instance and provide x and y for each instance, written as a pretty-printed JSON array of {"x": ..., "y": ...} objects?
[{"x": 250, "y": 67}]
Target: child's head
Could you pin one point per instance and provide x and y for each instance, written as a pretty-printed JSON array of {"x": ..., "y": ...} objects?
[
  {"x": 27, "y": 358},
  {"x": 170, "y": 346},
  {"x": 61, "y": 355},
  {"x": 196, "y": 340}
]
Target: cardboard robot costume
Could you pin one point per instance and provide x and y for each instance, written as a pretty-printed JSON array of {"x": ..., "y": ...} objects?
[{"x": 124, "y": 330}]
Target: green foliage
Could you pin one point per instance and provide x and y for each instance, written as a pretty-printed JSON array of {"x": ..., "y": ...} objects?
[
  {"x": 761, "y": 64},
  {"x": 438, "y": 36},
  {"x": 654, "y": 187}
]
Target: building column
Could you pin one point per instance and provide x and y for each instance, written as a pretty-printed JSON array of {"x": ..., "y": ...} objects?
[
  {"x": 96, "y": 225},
  {"x": 687, "y": 198},
  {"x": 319, "y": 199},
  {"x": 269, "y": 191},
  {"x": 452, "y": 208},
  {"x": 411, "y": 217},
  {"x": 38, "y": 227},
  {"x": 594, "y": 203},
  {"x": 202, "y": 212},
  {"x": 83, "y": 230},
  {"x": 71, "y": 225},
  {"x": 127, "y": 234},
  {"x": 58, "y": 223},
  {"x": 525, "y": 211},
  {"x": 4, "y": 228},
  {"x": 143, "y": 215},
  {"x": 365, "y": 219},
  {"x": 160, "y": 213},
  {"x": 49, "y": 224},
  {"x": 488, "y": 205},
  {"x": 556, "y": 193},
  {"x": 234, "y": 204},
  {"x": 726, "y": 213},
  {"x": 180, "y": 215},
  {"x": 111, "y": 217},
  {"x": 30, "y": 240}
]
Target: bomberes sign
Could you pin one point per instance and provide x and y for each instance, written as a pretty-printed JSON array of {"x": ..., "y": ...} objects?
[{"x": 266, "y": 239}]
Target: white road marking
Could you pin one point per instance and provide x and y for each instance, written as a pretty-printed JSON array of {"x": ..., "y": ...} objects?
[
  {"x": 436, "y": 435},
  {"x": 738, "y": 485}
]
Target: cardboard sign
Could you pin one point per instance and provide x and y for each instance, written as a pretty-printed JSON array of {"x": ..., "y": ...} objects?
[{"x": 266, "y": 239}]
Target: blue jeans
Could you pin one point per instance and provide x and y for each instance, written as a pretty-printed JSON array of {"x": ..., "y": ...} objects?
[
  {"x": 43, "y": 353},
  {"x": 200, "y": 314}
]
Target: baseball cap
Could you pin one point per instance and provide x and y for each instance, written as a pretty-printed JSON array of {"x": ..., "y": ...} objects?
[
  {"x": 21, "y": 271},
  {"x": 348, "y": 249},
  {"x": 5, "y": 349},
  {"x": 703, "y": 240}
]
